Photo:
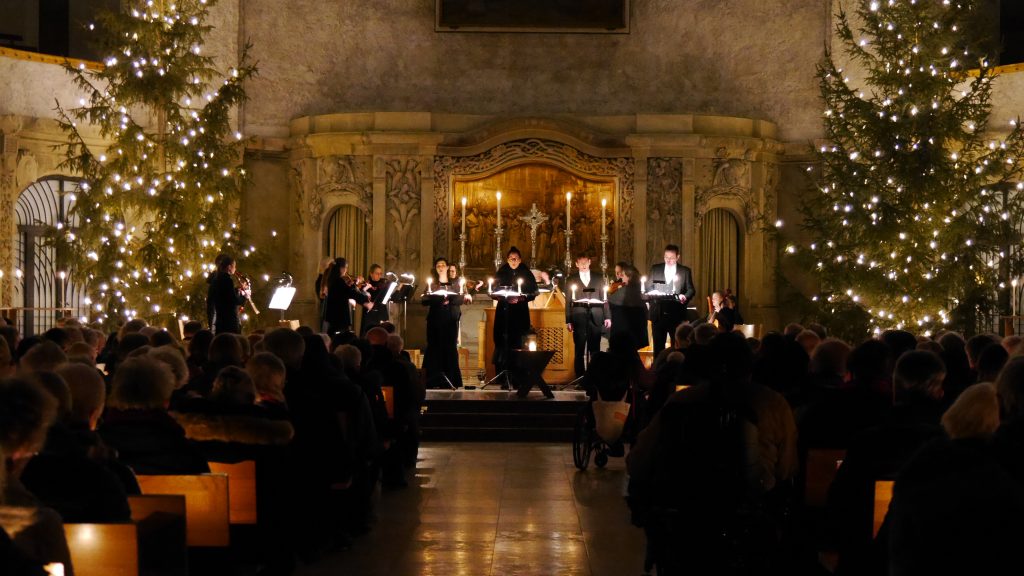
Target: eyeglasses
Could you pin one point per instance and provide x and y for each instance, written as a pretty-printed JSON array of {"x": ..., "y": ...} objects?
[{"x": 514, "y": 259}]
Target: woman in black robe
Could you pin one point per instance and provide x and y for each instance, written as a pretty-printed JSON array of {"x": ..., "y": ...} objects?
[
  {"x": 226, "y": 298},
  {"x": 512, "y": 317},
  {"x": 628, "y": 310},
  {"x": 340, "y": 289},
  {"x": 441, "y": 358}
]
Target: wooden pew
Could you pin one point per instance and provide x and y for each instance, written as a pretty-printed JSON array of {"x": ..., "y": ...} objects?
[
  {"x": 883, "y": 495},
  {"x": 103, "y": 549},
  {"x": 241, "y": 489},
  {"x": 161, "y": 527},
  {"x": 819, "y": 472},
  {"x": 206, "y": 505}
]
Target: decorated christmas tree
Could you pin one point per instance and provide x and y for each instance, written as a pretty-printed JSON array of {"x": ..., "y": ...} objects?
[
  {"x": 917, "y": 214},
  {"x": 157, "y": 205}
]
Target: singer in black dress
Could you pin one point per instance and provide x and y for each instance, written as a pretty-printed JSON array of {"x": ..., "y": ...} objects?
[
  {"x": 441, "y": 358},
  {"x": 512, "y": 317}
]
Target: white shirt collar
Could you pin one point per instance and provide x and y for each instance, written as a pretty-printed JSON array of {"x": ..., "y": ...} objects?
[{"x": 585, "y": 277}]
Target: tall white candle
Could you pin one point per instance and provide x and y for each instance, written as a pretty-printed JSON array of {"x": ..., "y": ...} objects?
[
  {"x": 643, "y": 280},
  {"x": 499, "y": 208},
  {"x": 430, "y": 283},
  {"x": 573, "y": 291},
  {"x": 606, "y": 293},
  {"x": 490, "y": 282},
  {"x": 462, "y": 285},
  {"x": 463, "y": 215},
  {"x": 568, "y": 211},
  {"x": 604, "y": 204},
  {"x": 520, "y": 281}
]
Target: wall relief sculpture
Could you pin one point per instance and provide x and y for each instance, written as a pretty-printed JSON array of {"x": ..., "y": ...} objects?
[
  {"x": 447, "y": 168},
  {"x": 403, "y": 185},
  {"x": 731, "y": 180},
  {"x": 664, "y": 199},
  {"x": 347, "y": 176}
]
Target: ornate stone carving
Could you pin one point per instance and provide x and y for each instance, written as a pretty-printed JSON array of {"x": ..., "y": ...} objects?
[
  {"x": 622, "y": 169},
  {"x": 347, "y": 176},
  {"x": 664, "y": 192},
  {"x": 8, "y": 196},
  {"x": 403, "y": 185},
  {"x": 731, "y": 180},
  {"x": 299, "y": 190}
]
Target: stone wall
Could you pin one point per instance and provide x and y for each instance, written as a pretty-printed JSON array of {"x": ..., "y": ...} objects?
[{"x": 746, "y": 58}]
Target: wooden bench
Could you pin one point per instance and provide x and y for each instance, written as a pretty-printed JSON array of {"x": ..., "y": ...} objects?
[
  {"x": 883, "y": 495},
  {"x": 819, "y": 472},
  {"x": 207, "y": 510},
  {"x": 162, "y": 533},
  {"x": 103, "y": 549},
  {"x": 241, "y": 490}
]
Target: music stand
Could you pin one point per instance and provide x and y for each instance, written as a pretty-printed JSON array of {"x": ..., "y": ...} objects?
[{"x": 526, "y": 369}]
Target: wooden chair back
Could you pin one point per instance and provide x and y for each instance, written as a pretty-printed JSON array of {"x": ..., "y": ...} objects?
[
  {"x": 162, "y": 531},
  {"x": 883, "y": 495},
  {"x": 103, "y": 549},
  {"x": 206, "y": 505},
  {"x": 241, "y": 490},
  {"x": 389, "y": 400},
  {"x": 819, "y": 472}
]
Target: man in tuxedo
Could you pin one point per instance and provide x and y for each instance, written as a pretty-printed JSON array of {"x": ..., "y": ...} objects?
[
  {"x": 671, "y": 278},
  {"x": 585, "y": 321}
]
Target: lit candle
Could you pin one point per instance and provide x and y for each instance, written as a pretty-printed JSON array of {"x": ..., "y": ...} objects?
[
  {"x": 499, "y": 208},
  {"x": 463, "y": 215},
  {"x": 606, "y": 293},
  {"x": 430, "y": 283},
  {"x": 532, "y": 346},
  {"x": 643, "y": 280},
  {"x": 490, "y": 281},
  {"x": 604, "y": 204},
  {"x": 462, "y": 285},
  {"x": 568, "y": 211},
  {"x": 573, "y": 291},
  {"x": 520, "y": 281}
]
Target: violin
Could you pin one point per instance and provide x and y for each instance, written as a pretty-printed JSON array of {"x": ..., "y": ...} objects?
[
  {"x": 614, "y": 286},
  {"x": 713, "y": 314},
  {"x": 243, "y": 283}
]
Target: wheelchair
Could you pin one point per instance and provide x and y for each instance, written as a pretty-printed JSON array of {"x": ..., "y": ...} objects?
[{"x": 599, "y": 440}]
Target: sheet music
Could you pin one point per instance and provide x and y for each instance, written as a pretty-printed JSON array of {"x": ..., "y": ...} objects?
[{"x": 389, "y": 293}]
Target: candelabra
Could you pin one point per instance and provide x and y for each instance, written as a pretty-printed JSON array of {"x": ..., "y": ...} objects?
[
  {"x": 568, "y": 252},
  {"x": 462, "y": 253},
  {"x": 604, "y": 255},
  {"x": 498, "y": 231}
]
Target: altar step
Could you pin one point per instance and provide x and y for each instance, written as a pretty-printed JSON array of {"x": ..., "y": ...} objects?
[{"x": 496, "y": 415}]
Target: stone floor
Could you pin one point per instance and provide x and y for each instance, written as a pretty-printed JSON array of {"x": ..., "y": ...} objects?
[{"x": 480, "y": 509}]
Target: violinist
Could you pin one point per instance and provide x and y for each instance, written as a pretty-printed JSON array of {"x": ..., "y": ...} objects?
[
  {"x": 224, "y": 298},
  {"x": 585, "y": 321},
  {"x": 340, "y": 289},
  {"x": 720, "y": 314},
  {"x": 627, "y": 309},
  {"x": 376, "y": 288}
]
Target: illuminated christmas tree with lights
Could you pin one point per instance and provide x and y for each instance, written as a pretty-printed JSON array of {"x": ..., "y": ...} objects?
[
  {"x": 157, "y": 204},
  {"x": 917, "y": 211}
]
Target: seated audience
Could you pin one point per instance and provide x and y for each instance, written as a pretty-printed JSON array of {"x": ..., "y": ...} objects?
[{"x": 136, "y": 422}]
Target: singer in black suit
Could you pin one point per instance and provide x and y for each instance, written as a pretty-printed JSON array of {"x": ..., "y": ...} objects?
[
  {"x": 665, "y": 314},
  {"x": 512, "y": 317},
  {"x": 585, "y": 321}
]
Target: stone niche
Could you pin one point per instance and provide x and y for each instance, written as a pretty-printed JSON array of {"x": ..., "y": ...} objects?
[{"x": 406, "y": 174}]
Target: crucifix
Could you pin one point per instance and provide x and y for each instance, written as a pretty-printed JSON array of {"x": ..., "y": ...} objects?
[{"x": 534, "y": 218}]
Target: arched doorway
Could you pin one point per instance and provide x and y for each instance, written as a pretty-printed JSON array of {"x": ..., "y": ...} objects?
[
  {"x": 721, "y": 252},
  {"x": 46, "y": 288},
  {"x": 347, "y": 235}
]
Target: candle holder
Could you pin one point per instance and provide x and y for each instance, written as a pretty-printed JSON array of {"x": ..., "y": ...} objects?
[
  {"x": 604, "y": 255},
  {"x": 462, "y": 253},
  {"x": 568, "y": 251},
  {"x": 498, "y": 231}
]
